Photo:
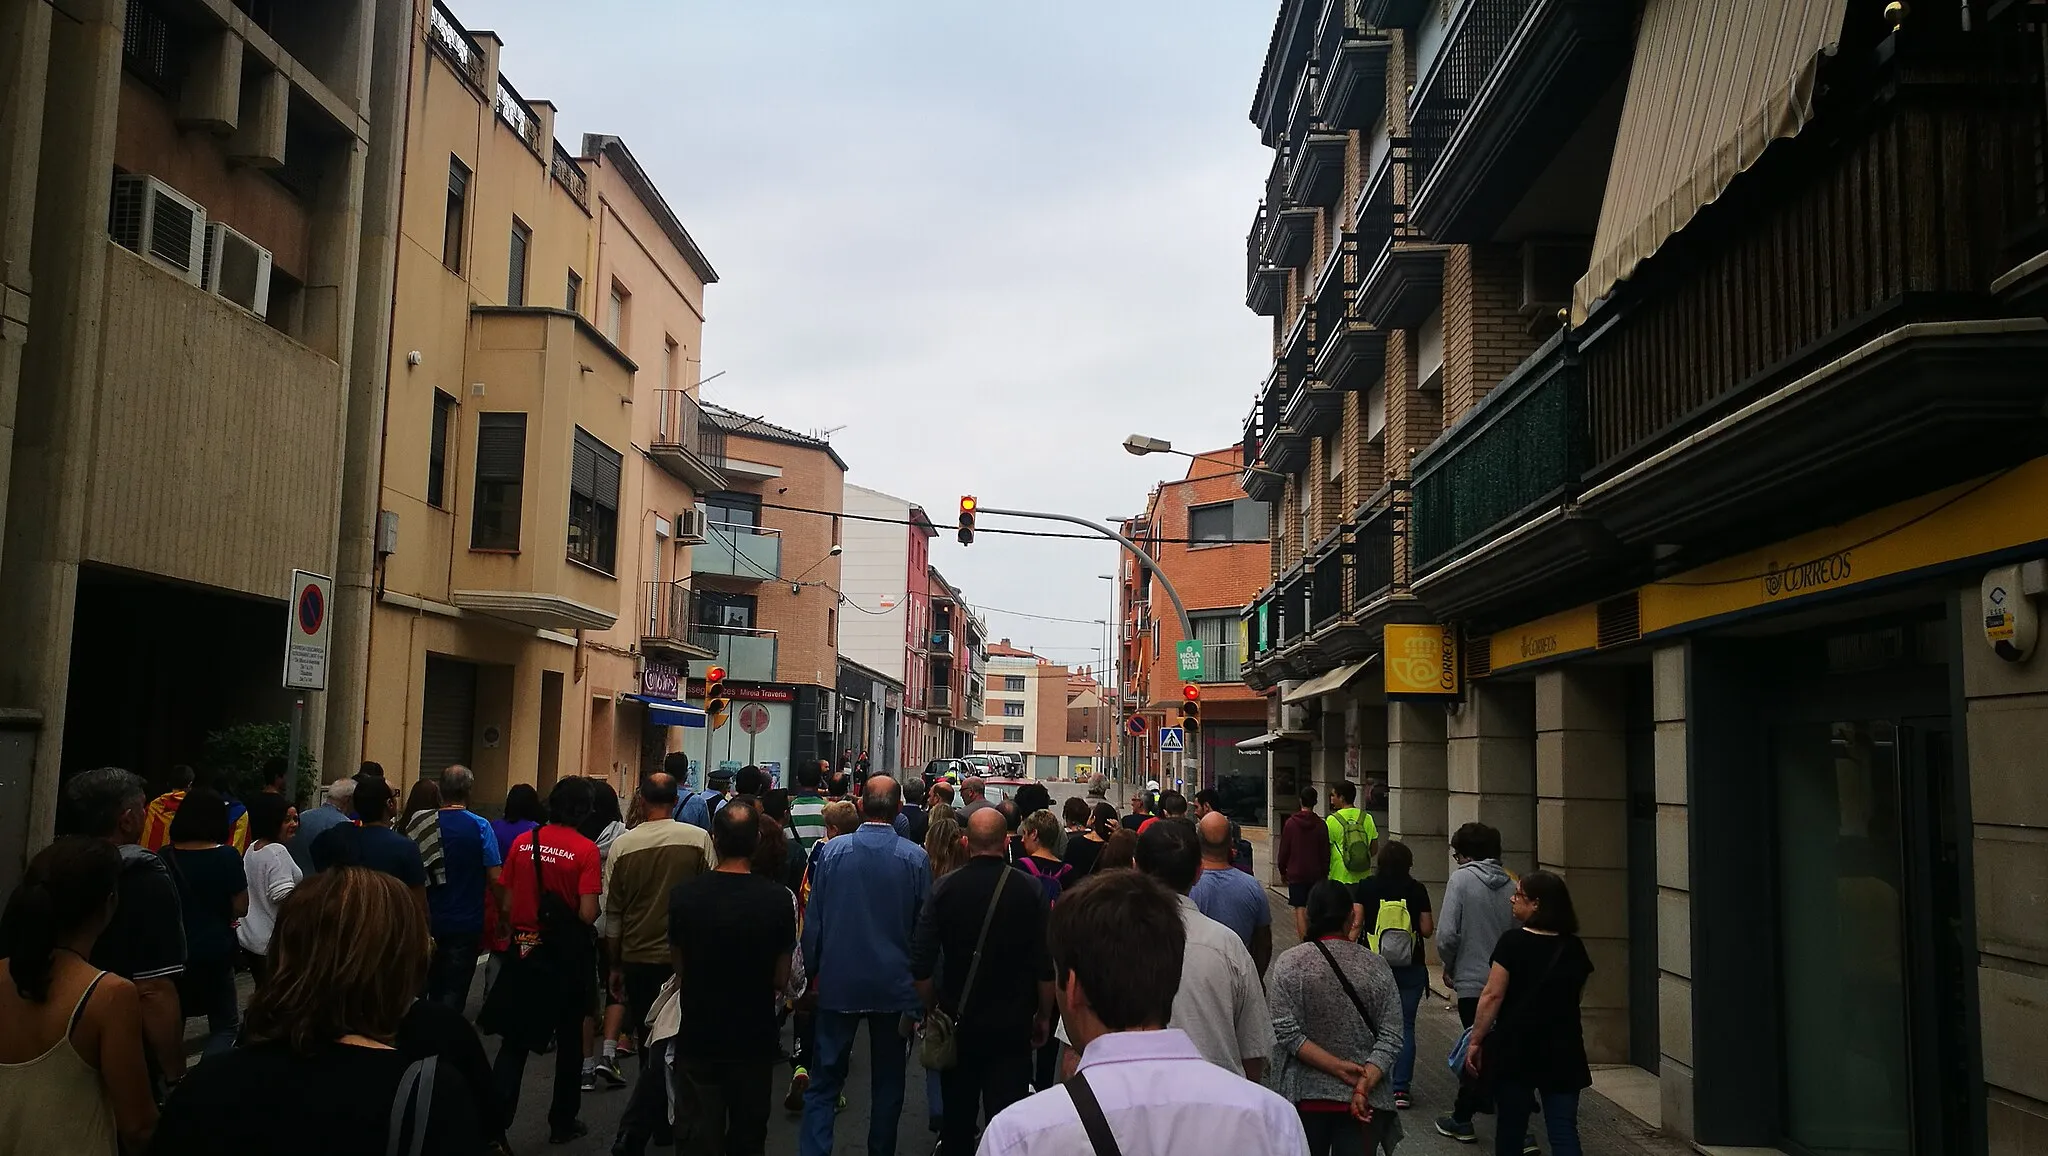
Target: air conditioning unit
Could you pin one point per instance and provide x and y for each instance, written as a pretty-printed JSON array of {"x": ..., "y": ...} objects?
[
  {"x": 690, "y": 527},
  {"x": 159, "y": 222},
  {"x": 1549, "y": 270},
  {"x": 237, "y": 269}
]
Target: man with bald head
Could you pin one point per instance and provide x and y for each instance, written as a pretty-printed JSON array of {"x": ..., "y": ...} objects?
[
  {"x": 973, "y": 795},
  {"x": 1008, "y": 1011},
  {"x": 867, "y": 888},
  {"x": 1230, "y": 896}
]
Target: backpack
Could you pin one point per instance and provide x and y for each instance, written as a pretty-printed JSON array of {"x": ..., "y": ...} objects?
[
  {"x": 1393, "y": 933},
  {"x": 1051, "y": 880},
  {"x": 1355, "y": 847}
]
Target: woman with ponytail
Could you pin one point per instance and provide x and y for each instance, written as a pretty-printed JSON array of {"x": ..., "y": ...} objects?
[{"x": 72, "y": 1076}]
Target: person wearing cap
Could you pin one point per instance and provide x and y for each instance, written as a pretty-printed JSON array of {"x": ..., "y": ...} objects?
[{"x": 701, "y": 808}]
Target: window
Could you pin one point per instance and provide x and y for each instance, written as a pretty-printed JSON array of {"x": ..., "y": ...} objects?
[
  {"x": 668, "y": 363},
  {"x": 1013, "y": 710},
  {"x": 1013, "y": 682},
  {"x": 573, "y": 299},
  {"x": 500, "y": 478},
  {"x": 615, "y": 314},
  {"x": 1013, "y": 734},
  {"x": 451, "y": 227},
  {"x": 593, "y": 503},
  {"x": 733, "y": 509},
  {"x": 1243, "y": 520},
  {"x": 1222, "y": 653},
  {"x": 515, "y": 265},
  {"x": 437, "y": 451},
  {"x": 718, "y": 608},
  {"x": 831, "y": 628}
]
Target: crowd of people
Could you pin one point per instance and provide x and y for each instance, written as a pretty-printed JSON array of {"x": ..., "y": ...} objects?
[{"x": 1073, "y": 980}]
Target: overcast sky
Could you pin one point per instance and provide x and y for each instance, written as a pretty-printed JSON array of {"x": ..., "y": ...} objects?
[{"x": 988, "y": 240}]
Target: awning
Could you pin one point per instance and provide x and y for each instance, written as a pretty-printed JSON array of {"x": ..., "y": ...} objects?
[
  {"x": 1271, "y": 739},
  {"x": 1713, "y": 83},
  {"x": 1328, "y": 683},
  {"x": 668, "y": 712}
]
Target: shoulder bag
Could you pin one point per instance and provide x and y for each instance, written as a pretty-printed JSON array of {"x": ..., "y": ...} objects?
[
  {"x": 415, "y": 1091},
  {"x": 1093, "y": 1121},
  {"x": 940, "y": 1048}
]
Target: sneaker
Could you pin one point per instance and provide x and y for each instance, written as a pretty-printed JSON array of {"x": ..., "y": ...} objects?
[
  {"x": 1529, "y": 1147},
  {"x": 608, "y": 1071},
  {"x": 1456, "y": 1129},
  {"x": 590, "y": 1079},
  {"x": 794, "y": 1101},
  {"x": 1402, "y": 1102},
  {"x": 576, "y": 1130},
  {"x": 841, "y": 1106}
]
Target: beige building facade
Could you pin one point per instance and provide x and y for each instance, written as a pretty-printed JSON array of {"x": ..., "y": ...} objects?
[
  {"x": 192, "y": 195},
  {"x": 543, "y": 450}
]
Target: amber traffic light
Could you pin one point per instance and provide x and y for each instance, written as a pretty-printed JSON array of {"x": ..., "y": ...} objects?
[
  {"x": 1191, "y": 707},
  {"x": 967, "y": 506},
  {"x": 715, "y": 702}
]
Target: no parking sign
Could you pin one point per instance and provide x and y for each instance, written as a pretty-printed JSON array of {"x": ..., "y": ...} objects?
[{"x": 305, "y": 637}]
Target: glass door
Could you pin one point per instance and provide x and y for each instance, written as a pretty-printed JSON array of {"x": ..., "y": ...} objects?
[{"x": 1843, "y": 990}]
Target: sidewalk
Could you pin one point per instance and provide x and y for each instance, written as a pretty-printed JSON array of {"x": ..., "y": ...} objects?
[{"x": 1605, "y": 1129}]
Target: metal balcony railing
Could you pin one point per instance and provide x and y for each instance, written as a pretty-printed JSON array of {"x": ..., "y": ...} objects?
[
  {"x": 686, "y": 443},
  {"x": 1478, "y": 36},
  {"x": 518, "y": 115},
  {"x": 1524, "y": 446},
  {"x": 747, "y": 654},
  {"x": 569, "y": 175},
  {"x": 942, "y": 641},
  {"x": 736, "y": 551},
  {"x": 939, "y": 700},
  {"x": 447, "y": 37}
]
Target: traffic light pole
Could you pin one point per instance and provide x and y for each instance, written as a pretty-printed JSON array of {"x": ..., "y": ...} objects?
[{"x": 1192, "y": 758}]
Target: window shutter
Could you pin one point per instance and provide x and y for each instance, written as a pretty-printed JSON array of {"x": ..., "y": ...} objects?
[
  {"x": 607, "y": 489},
  {"x": 583, "y": 466},
  {"x": 501, "y": 447},
  {"x": 1248, "y": 518}
]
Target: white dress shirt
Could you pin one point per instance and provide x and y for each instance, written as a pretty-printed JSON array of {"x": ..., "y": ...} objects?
[
  {"x": 1221, "y": 1004},
  {"x": 1161, "y": 1098}
]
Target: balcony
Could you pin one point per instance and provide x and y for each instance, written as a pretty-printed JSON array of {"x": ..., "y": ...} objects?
[
  {"x": 1374, "y": 214},
  {"x": 687, "y": 444},
  {"x": 570, "y": 176},
  {"x": 667, "y": 620},
  {"x": 942, "y": 642},
  {"x": 1317, "y": 172},
  {"x": 748, "y": 655},
  {"x": 747, "y": 553},
  {"x": 1265, "y": 285},
  {"x": 1393, "y": 13},
  {"x": 1290, "y": 236},
  {"x": 1354, "y": 89},
  {"x": 938, "y": 701},
  {"x": 1521, "y": 448},
  {"x": 1257, "y": 482},
  {"x": 1404, "y": 286},
  {"x": 1350, "y": 355},
  {"x": 1514, "y": 81}
]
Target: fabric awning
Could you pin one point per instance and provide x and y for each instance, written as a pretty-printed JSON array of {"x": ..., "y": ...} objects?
[
  {"x": 1328, "y": 683},
  {"x": 669, "y": 712},
  {"x": 1271, "y": 739},
  {"x": 1713, "y": 83}
]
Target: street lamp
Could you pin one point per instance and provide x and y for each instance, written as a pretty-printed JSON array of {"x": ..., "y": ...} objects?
[
  {"x": 1138, "y": 445},
  {"x": 796, "y": 584}
]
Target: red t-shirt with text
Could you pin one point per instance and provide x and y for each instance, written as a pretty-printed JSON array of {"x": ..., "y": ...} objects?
[{"x": 569, "y": 867}]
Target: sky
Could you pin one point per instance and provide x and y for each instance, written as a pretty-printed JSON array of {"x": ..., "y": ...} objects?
[{"x": 979, "y": 242}]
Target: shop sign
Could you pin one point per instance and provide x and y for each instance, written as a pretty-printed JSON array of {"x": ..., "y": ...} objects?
[
  {"x": 1421, "y": 660},
  {"x": 662, "y": 679},
  {"x": 747, "y": 693},
  {"x": 1546, "y": 638}
]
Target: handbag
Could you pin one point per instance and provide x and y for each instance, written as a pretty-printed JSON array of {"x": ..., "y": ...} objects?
[
  {"x": 538, "y": 976},
  {"x": 940, "y": 1048}
]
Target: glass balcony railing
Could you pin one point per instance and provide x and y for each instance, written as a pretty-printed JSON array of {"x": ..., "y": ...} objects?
[
  {"x": 747, "y": 655},
  {"x": 735, "y": 551}
]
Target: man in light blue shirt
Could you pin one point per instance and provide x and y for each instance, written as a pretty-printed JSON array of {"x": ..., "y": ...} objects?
[
  {"x": 1229, "y": 896},
  {"x": 867, "y": 889},
  {"x": 322, "y": 819}
]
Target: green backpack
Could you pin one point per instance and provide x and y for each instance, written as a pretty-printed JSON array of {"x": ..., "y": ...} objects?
[
  {"x": 1393, "y": 933},
  {"x": 1355, "y": 847}
]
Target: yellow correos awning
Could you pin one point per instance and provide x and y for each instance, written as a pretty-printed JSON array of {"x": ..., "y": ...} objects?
[
  {"x": 1713, "y": 83},
  {"x": 1328, "y": 683}
]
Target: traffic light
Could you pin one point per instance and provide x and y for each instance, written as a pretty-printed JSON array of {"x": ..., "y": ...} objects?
[
  {"x": 715, "y": 702},
  {"x": 967, "y": 505},
  {"x": 1191, "y": 707}
]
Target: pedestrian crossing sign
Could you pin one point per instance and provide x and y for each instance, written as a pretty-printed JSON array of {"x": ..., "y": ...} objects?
[{"x": 1172, "y": 739}]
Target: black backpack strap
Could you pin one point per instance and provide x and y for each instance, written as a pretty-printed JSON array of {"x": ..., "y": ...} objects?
[
  {"x": 1093, "y": 1121},
  {"x": 1345, "y": 981}
]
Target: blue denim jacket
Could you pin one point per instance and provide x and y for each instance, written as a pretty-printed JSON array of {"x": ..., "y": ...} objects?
[{"x": 866, "y": 891}]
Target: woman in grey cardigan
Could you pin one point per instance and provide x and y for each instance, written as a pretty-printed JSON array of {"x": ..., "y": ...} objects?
[{"x": 1337, "y": 1030}]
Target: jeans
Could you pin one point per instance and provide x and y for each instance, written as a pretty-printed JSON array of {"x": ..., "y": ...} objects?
[
  {"x": 888, "y": 1053},
  {"x": 1472, "y": 1098},
  {"x": 1511, "y": 1119},
  {"x": 510, "y": 1067},
  {"x": 1413, "y": 982},
  {"x": 981, "y": 1084},
  {"x": 453, "y": 968},
  {"x": 208, "y": 988},
  {"x": 1340, "y": 1134},
  {"x": 722, "y": 1107}
]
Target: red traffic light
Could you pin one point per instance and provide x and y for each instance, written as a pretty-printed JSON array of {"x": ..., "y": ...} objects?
[
  {"x": 1191, "y": 692},
  {"x": 715, "y": 674}
]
